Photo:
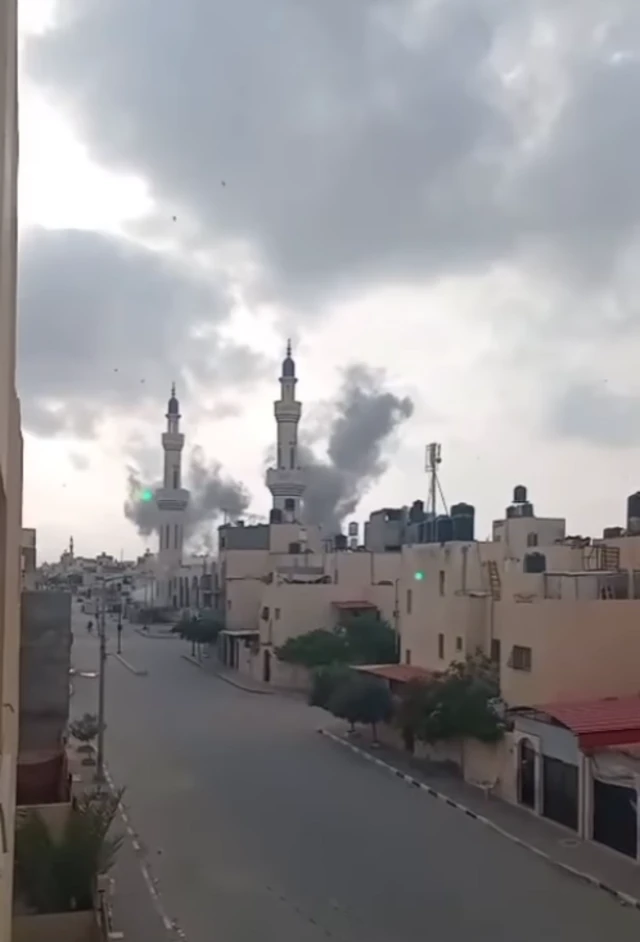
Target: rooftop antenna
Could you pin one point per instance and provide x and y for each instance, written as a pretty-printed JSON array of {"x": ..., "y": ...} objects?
[{"x": 433, "y": 460}]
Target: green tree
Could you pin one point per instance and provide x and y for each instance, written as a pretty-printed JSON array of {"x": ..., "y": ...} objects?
[
  {"x": 362, "y": 700},
  {"x": 60, "y": 875},
  {"x": 85, "y": 730},
  {"x": 317, "y": 648},
  {"x": 324, "y": 681},
  {"x": 461, "y": 703},
  {"x": 370, "y": 639}
]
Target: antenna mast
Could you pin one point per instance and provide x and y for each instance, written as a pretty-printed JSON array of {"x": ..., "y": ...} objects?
[{"x": 433, "y": 460}]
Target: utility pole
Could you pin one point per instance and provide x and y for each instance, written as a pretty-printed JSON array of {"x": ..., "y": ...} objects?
[{"x": 100, "y": 777}]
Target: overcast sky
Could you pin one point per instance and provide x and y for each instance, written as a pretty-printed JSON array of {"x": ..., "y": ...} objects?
[{"x": 445, "y": 190}]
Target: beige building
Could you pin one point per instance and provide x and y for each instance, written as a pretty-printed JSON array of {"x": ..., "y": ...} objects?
[
  {"x": 10, "y": 458},
  {"x": 558, "y": 614},
  {"x": 282, "y": 580}
]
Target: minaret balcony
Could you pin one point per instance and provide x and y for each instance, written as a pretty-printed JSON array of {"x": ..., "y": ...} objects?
[
  {"x": 287, "y": 411},
  {"x": 285, "y": 482}
]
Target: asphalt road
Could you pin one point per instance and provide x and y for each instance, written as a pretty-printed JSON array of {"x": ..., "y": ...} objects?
[{"x": 259, "y": 829}]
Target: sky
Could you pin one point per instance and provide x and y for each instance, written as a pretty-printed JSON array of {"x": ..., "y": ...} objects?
[{"x": 437, "y": 201}]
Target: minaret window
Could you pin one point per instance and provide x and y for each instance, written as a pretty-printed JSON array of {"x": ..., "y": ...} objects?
[
  {"x": 176, "y": 478},
  {"x": 292, "y": 457},
  {"x": 175, "y": 536},
  {"x": 279, "y": 462}
]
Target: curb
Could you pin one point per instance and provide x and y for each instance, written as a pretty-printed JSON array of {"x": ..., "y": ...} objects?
[
  {"x": 228, "y": 680},
  {"x": 618, "y": 895},
  {"x": 134, "y": 670}
]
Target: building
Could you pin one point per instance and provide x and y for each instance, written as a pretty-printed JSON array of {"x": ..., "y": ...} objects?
[
  {"x": 28, "y": 560},
  {"x": 172, "y": 500},
  {"x": 286, "y": 480},
  {"x": 558, "y": 614},
  {"x": 10, "y": 458}
]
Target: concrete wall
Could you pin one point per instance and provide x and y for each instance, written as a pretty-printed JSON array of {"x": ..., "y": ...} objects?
[
  {"x": 45, "y": 658},
  {"x": 10, "y": 452}
]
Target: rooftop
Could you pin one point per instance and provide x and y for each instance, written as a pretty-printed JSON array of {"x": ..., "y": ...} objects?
[{"x": 610, "y": 721}]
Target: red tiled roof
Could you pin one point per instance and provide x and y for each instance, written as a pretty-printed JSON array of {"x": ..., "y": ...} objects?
[
  {"x": 351, "y": 605},
  {"x": 398, "y": 672},
  {"x": 597, "y": 723}
]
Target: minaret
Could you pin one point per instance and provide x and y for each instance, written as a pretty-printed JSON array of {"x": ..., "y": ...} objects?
[
  {"x": 287, "y": 480},
  {"x": 172, "y": 501}
]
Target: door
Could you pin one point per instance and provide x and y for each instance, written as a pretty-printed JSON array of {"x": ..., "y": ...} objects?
[
  {"x": 526, "y": 774},
  {"x": 560, "y": 792},
  {"x": 266, "y": 667},
  {"x": 615, "y": 822}
]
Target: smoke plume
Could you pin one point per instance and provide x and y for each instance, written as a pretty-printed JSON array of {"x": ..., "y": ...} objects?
[
  {"x": 212, "y": 496},
  {"x": 365, "y": 416}
]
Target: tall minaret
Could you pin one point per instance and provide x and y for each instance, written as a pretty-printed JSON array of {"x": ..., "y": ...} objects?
[
  {"x": 287, "y": 480},
  {"x": 172, "y": 501}
]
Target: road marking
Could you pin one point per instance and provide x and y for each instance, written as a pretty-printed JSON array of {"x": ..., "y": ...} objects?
[{"x": 170, "y": 925}]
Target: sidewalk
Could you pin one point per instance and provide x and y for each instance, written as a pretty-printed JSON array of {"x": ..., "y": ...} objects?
[
  {"x": 211, "y": 665},
  {"x": 598, "y": 865},
  {"x": 163, "y": 634}
]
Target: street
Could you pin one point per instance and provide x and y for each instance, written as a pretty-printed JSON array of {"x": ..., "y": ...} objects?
[{"x": 258, "y": 828}]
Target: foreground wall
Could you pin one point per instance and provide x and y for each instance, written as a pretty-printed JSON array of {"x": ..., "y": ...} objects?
[{"x": 10, "y": 455}]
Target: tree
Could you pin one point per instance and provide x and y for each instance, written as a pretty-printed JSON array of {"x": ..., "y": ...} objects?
[
  {"x": 461, "y": 703},
  {"x": 317, "y": 648},
  {"x": 362, "y": 700},
  {"x": 324, "y": 681},
  {"x": 370, "y": 640},
  {"x": 55, "y": 875},
  {"x": 85, "y": 730}
]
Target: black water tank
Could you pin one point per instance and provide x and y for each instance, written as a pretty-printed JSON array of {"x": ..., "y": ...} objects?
[
  {"x": 612, "y": 533},
  {"x": 340, "y": 541},
  {"x": 275, "y": 515},
  {"x": 463, "y": 516},
  {"x": 444, "y": 529},
  {"x": 633, "y": 513},
  {"x": 416, "y": 511},
  {"x": 535, "y": 562},
  {"x": 519, "y": 494}
]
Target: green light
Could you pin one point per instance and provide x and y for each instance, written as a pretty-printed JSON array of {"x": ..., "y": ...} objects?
[
  {"x": 146, "y": 496},
  {"x": 418, "y": 576}
]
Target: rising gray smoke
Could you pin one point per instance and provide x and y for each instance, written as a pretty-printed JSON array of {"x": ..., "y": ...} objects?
[
  {"x": 365, "y": 416},
  {"x": 212, "y": 496}
]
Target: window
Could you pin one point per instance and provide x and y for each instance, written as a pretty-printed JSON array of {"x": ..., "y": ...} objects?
[
  {"x": 532, "y": 539},
  {"x": 441, "y": 581},
  {"x": 289, "y": 504},
  {"x": 265, "y": 613},
  {"x": 441, "y": 647},
  {"x": 279, "y": 459},
  {"x": 407, "y": 656},
  {"x": 294, "y": 548},
  {"x": 176, "y": 478},
  {"x": 520, "y": 658},
  {"x": 175, "y": 536},
  {"x": 292, "y": 458},
  {"x": 222, "y": 541},
  {"x": 409, "y": 601},
  {"x": 229, "y": 604},
  {"x": 458, "y": 643},
  {"x": 276, "y": 613},
  {"x": 495, "y": 651}
]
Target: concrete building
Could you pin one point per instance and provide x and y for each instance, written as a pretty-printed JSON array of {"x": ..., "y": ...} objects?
[
  {"x": 558, "y": 614},
  {"x": 28, "y": 560},
  {"x": 286, "y": 480},
  {"x": 172, "y": 500},
  {"x": 10, "y": 458}
]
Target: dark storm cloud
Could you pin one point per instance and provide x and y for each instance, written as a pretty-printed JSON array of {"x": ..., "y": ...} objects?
[
  {"x": 107, "y": 325},
  {"x": 365, "y": 416},
  {"x": 361, "y": 140}
]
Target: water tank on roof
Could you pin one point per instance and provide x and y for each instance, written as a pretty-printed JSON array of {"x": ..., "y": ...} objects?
[
  {"x": 416, "y": 511},
  {"x": 519, "y": 494},
  {"x": 275, "y": 515},
  {"x": 633, "y": 513},
  {"x": 340, "y": 541},
  {"x": 612, "y": 533},
  {"x": 352, "y": 529},
  {"x": 444, "y": 529},
  {"x": 463, "y": 517},
  {"x": 535, "y": 562}
]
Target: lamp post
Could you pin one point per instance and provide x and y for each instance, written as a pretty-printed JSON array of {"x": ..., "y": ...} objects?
[{"x": 100, "y": 776}]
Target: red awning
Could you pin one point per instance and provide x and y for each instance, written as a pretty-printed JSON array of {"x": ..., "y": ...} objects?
[
  {"x": 612, "y": 721},
  {"x": 401, "y": 673},
  {"x": 351, "y": 606}
]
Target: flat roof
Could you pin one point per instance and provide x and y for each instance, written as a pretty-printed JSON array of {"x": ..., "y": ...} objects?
[{"x": 402, "y": 673}]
